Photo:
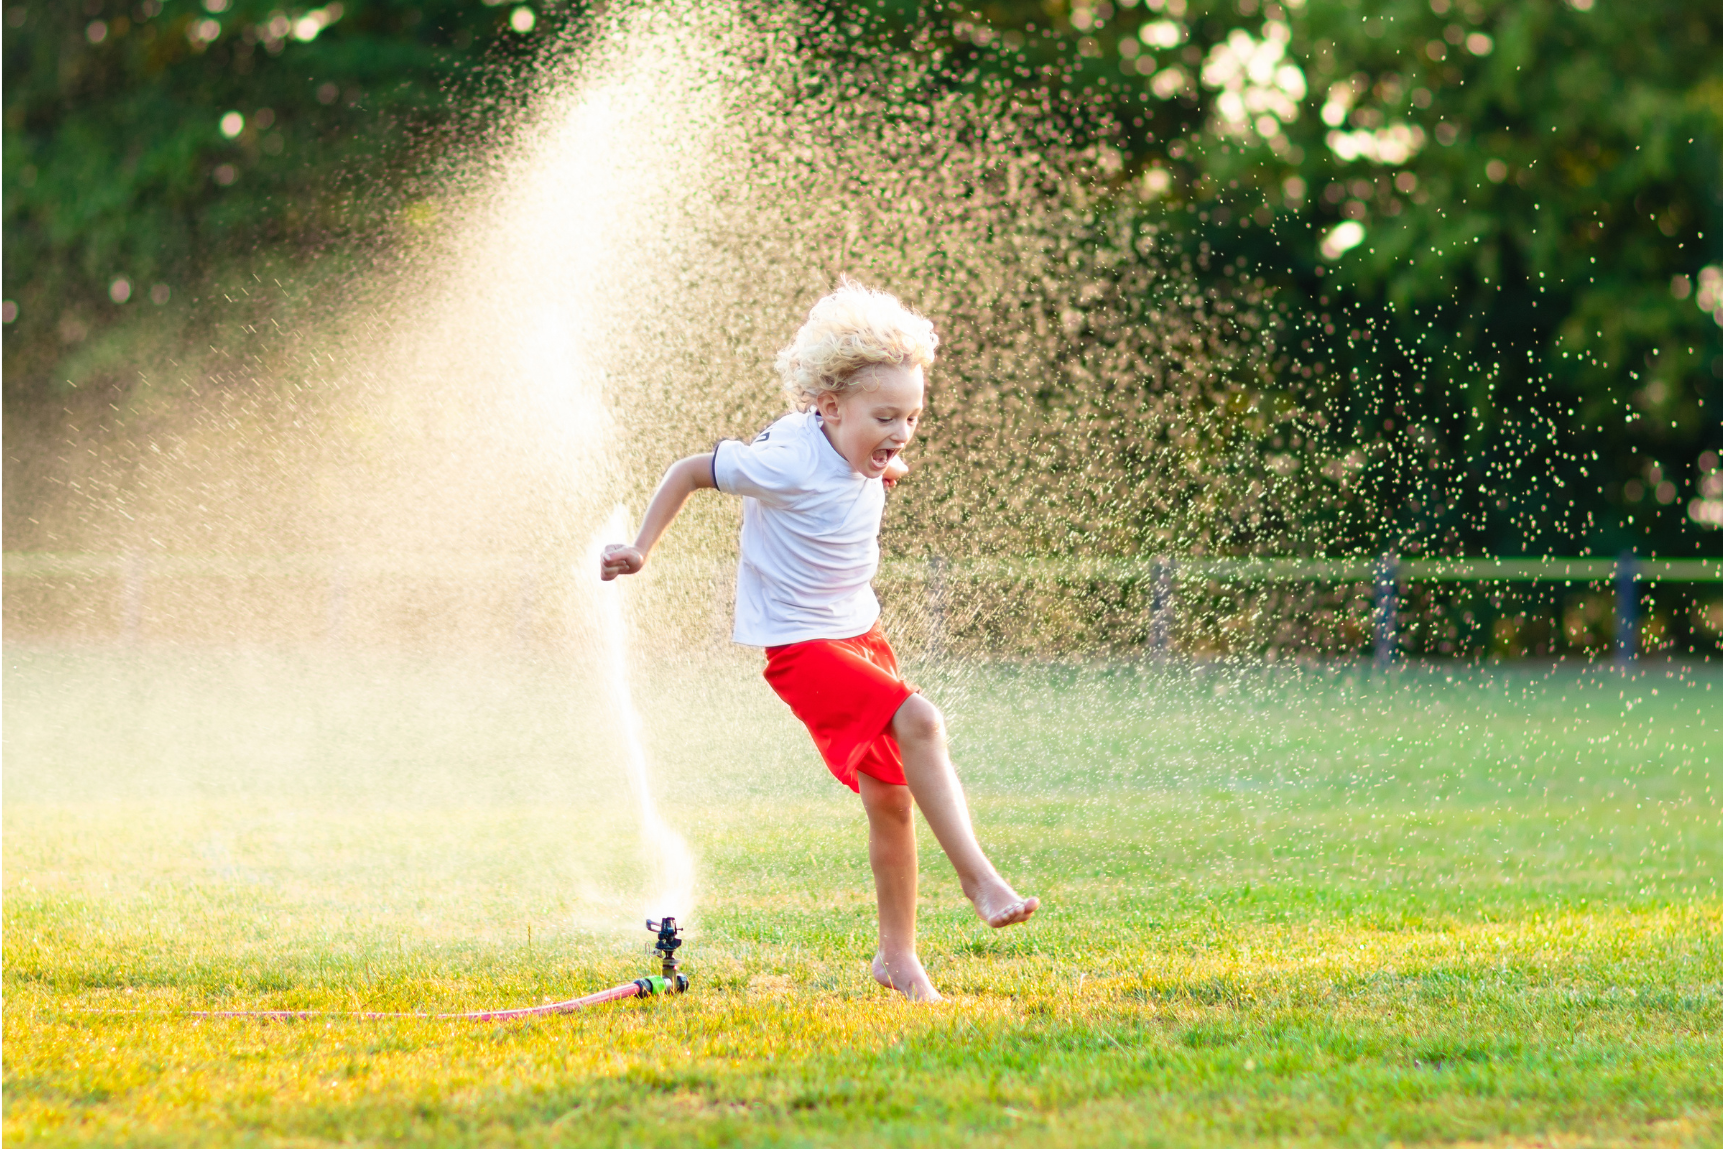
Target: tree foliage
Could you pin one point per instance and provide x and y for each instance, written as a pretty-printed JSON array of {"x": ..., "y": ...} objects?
[
  {"x": 143, "y": 139},
  {"x": 1493, "y": 222},
  {"x": 1494, "y": 226}
]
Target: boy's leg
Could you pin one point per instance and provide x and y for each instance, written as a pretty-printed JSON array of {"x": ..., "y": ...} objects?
[
  {"x": 920, "y": 732},
  {"x": 891, "y": 852}
]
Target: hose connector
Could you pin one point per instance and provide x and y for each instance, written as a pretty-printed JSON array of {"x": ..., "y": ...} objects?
[{"x": 654, "y": 985}]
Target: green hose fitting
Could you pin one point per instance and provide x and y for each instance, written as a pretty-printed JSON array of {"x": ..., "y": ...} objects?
[{"x": 656, "y": 985}]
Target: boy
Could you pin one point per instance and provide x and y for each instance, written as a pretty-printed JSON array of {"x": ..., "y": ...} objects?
[{"x": 813, "y": 488}]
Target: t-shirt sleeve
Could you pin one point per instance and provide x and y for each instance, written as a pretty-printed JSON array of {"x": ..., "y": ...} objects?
[{"x": 770, "y": 470}]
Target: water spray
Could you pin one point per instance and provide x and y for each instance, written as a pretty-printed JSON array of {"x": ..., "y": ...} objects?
[
  {"x": 670, "y": 863},
  {"x": 667, "y": 852}
]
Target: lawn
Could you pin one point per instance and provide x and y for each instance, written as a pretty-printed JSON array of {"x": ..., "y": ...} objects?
[{"x": 1292, "y": 906}]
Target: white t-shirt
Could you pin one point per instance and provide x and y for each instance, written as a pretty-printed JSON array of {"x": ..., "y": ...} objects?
[{"x": 810, "y": 535}]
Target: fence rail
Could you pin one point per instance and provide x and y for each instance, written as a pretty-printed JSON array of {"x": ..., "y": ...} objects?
[
  {"x": 1563, "y": 570},
  {"x": 1385, "y": 574},
  {"x": 42, "y": 564}
]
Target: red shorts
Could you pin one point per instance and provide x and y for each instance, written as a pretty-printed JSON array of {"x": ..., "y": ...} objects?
[{"x": 846, "y": 692}]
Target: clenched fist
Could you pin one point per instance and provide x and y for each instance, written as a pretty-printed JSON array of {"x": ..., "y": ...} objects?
[{"x": 620, "y": 559}]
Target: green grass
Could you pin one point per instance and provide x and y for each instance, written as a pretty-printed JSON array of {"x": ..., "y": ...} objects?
[{"x": 1298, "y": 907}]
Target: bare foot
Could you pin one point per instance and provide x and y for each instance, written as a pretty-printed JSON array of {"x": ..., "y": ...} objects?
[
  {"x": 910, "y": 979},
  {"x": 999, "y": 905}
]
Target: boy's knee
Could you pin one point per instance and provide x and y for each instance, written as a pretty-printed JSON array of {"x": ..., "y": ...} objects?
[
  {"x": 895, "y": 805},
  {"x": 918, "y": 720},
  {"x": 886, "y": 801}
]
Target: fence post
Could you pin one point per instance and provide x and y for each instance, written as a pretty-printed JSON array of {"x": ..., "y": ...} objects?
[
  {"x": 1387, "y": 610},
  {"x": 935, "y": 607},
  {"x": 1626, "y": 607},
  {"x": 1161, "y": 574},
  {"x": 132, "y": 597}
]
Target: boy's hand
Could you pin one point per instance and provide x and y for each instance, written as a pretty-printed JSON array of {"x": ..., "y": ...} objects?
[
  {"x": 620, "y": 559},
  {"x": 894, "y": 470}
]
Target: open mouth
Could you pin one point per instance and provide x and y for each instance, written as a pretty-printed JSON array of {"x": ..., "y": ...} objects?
[{"x": 884, "y": 456}]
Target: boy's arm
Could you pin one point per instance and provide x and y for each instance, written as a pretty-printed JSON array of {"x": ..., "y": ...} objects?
[
  {"x": 682, "y": 479},
  {"x": 895, "y": 470}
]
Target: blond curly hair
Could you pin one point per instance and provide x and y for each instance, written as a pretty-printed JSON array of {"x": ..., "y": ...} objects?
[{"x": 852, "y": 328}]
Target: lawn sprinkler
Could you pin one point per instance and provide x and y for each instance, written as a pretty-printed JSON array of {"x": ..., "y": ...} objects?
[
  {"x": 667, "y": 944},
  {"x": 671, "y": 981}
]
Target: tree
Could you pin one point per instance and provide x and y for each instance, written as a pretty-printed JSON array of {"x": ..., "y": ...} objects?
[
  {"x": 145, "y": 140},
  {"x": 1494, "y": 230},
  {"x": 1491, "y": 221}
]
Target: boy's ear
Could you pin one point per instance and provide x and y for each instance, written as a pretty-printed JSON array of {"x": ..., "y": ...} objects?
[{"x": 826, "y": 403}]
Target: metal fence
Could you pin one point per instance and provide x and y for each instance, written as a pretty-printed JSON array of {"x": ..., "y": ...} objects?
[
  {"x": 1387, "y": 575},
  {"x": 516, "y": 602}
]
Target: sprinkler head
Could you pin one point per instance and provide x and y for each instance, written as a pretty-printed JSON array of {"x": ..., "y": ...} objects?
[{"x": 667, "y": 929}]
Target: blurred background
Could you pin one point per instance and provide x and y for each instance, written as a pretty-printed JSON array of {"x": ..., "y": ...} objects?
[{"x": 1480, "y": 244}]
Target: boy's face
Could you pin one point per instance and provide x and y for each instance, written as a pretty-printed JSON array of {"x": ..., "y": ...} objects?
[{"x": 872, "y": 422}]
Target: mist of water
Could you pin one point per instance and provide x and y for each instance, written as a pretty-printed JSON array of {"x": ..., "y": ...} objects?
[
  {"x": 408, "y": 456},
  {"x": 670, "y": 863}
]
